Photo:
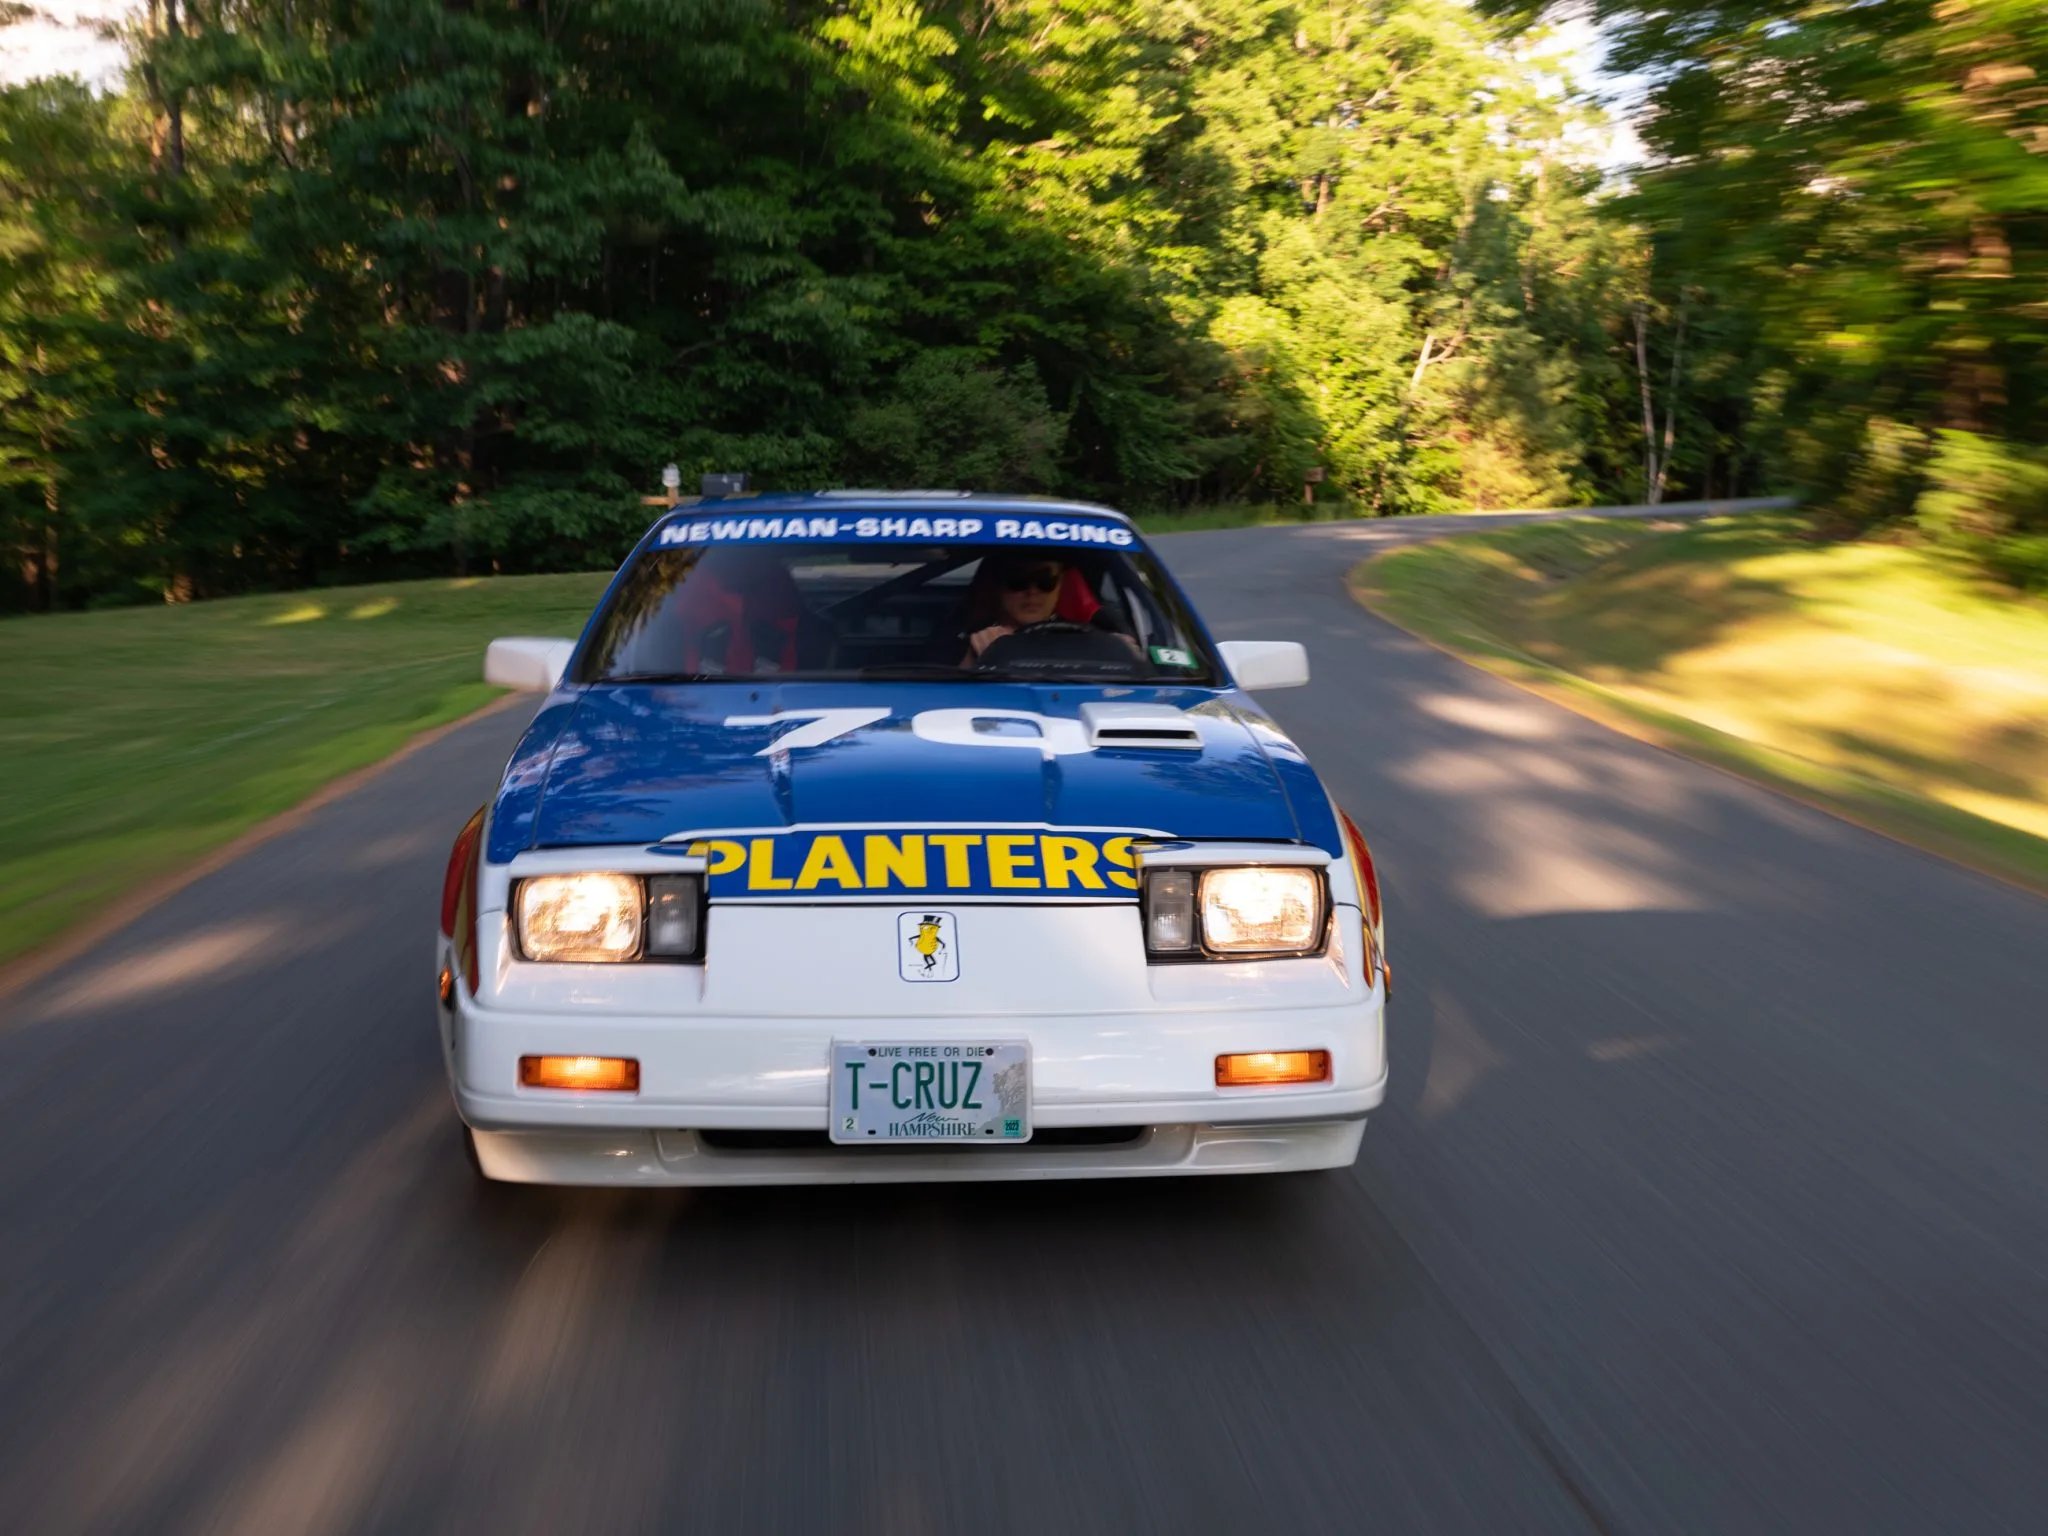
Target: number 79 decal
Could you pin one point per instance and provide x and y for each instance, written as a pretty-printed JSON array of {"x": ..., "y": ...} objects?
[
  {"x": 1049, "y": 734},
  {"x": 823, "y": 725}
]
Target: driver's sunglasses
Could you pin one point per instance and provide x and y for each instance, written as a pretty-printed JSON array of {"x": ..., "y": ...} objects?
[{"x": 1041, "y": 580}]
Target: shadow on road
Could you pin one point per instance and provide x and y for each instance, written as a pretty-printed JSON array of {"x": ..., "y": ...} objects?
[{"x": 1710, "y": 1194}]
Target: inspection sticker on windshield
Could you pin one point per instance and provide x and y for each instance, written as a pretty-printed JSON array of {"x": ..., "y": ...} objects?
[
  {"x": 1168, "y": 656},
  {"x": 962, "y": 1093}
]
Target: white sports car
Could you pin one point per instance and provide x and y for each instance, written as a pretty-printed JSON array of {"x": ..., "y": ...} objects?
[{"x": 889, "y": 836}]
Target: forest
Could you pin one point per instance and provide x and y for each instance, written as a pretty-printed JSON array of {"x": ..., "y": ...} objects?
[{"x": 341, "y": 290}]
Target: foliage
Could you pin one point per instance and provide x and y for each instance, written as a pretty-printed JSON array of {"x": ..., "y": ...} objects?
[
  {"x": 944, "y": 419},
  {"x": 1989, "y": 499},
  {"x": 1854, "y": 197},
  {"x": 342, "y": 289}
]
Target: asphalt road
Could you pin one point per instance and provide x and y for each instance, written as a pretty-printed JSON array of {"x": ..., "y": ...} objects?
[{"x": 1712, "y": 1195}]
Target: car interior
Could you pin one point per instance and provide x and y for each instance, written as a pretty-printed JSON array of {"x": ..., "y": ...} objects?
[{"x": 840, "y": 610}]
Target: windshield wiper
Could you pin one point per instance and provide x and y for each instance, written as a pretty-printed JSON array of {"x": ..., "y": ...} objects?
[
  {"x": 1048, "y": 676},
  {"x": 665, "y": 677},
  {"x": 906, "y": 670}
]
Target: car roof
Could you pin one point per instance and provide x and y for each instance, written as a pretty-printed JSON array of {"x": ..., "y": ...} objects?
[{"x": 768, "y": 502}]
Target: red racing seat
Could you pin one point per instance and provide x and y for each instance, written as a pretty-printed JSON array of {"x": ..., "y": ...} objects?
[
  {"x": 739, "y": 612},
  {"x": 1076, "y": 603}
]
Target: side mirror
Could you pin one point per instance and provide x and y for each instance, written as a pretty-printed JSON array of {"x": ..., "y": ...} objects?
[
  {"x": 1262, "y": 664},
  {"x": 526, "y": 663}
]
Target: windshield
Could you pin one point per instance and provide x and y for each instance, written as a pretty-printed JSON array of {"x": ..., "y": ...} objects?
[
  {"x": 1021, "y": 612},
  {"x": 936, "y": 611}
]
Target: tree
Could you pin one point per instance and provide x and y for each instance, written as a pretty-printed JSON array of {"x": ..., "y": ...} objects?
[
  {"x": 1861, "y": 195},
  {"x": 397, "y": 286},
  {"x": 57, "y": 152}
]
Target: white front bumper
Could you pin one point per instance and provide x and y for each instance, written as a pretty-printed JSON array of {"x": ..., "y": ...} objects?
[
  {"x": 656, "y": 1158},
  {"x": 1114, "y": 1043},
  {"x": 762, "y": 1074}
]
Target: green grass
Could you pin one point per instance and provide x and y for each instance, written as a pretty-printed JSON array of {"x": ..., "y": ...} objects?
[
  {"x": 136, "y": 740},
  {"x": 1875, "y": 678}
]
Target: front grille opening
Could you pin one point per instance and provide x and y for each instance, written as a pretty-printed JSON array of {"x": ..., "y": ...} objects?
[{"x": 1047, "y": 1138}]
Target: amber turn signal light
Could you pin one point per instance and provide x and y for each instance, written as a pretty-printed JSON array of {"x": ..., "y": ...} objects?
[
  {"x": 611, "y": 1074},
  {"x": 1263, "y": 1069}
]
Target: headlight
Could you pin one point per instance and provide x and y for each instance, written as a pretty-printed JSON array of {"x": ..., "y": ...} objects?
[
  {"x": 580, "y": 917},
  {"x": 1261, "y": 910},
  {"x": 1254, "y": 909},
  {"x": 610, "y": 917}
]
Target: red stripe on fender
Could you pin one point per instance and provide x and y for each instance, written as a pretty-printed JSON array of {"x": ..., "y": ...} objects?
[
  {"x": 1367, "y": 870},
  {"x": 458, "y": 897},
  {"x": 458, "y": 867}
]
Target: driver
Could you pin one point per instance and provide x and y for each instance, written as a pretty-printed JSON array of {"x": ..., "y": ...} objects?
[{"x": 1010, "y": 592}]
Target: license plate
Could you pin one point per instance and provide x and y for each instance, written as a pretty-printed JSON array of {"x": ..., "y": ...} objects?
[{"x": 944, "y": 1093}]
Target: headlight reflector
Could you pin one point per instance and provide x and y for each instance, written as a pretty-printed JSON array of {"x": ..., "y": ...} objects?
[
  {"x": 1170, "y": 911},
  {"x": 674, "y": 915},
  {"x": 579, "y": 917},
  {"x": 1261, "y": 909}
]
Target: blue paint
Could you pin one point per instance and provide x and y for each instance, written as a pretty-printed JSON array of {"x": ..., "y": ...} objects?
[
  {"x": 642, "y": 763},
  {"x": 518, "y": 802},
  {"x": 637, "y": 764}
]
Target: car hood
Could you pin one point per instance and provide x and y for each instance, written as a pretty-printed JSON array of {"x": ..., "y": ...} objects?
[{"x": 641, "y": 763}]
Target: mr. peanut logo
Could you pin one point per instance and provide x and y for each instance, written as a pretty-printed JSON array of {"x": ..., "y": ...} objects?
[{"x": 928, "y": 946}]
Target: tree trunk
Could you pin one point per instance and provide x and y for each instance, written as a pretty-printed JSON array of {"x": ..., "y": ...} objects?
[
  {"x": 1991, "y": 81},
  {"x": 176, "y": 105},
  {"x": 1651, "y": 478},
  {"x": 1422, "y": 363},
  {"x": 1974, "y": 397},
  {"x": 167, "y": 131},
  {"x": 37, "y": 559},
  {"x": 39, "y": 543},
  {"x": 1670, "y": 406},
  {"x": 1526, "y": 262},
  {"x": 167, "y": 127}
]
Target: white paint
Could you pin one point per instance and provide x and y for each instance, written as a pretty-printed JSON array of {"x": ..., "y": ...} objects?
[
  {"x": 823, "y": 725},
  {"x": 1261, "y": 664},
  {"x": 1047, "y": 734},
  {"x": 527, "y": 663},
  {"x": 745, "y": 1041}
]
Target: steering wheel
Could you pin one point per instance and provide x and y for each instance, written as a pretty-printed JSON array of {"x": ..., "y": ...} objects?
[
  {"x": 1027, "y": 632},
  {"x": 1059, "y": 645}
]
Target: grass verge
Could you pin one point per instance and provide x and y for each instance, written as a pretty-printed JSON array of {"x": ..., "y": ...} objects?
[
  {"x": 136, "y": 740},
  {"x": 1875, "y": 680}
]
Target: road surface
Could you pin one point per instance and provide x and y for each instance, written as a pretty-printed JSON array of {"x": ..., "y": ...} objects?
[{"x": 1711, "y": 1195}]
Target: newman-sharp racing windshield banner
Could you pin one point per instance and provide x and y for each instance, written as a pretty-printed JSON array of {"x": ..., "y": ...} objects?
[{"x": 888, "y": 528}]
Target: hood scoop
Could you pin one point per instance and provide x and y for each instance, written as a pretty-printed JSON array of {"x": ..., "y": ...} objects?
[{"x": 1147, "y": 727}]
